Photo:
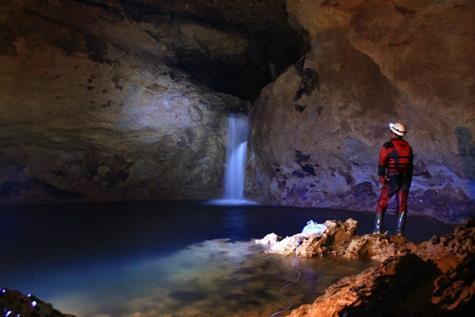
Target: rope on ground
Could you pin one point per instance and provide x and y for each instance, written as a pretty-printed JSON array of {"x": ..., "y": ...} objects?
[{"x": 286, "y": 286}]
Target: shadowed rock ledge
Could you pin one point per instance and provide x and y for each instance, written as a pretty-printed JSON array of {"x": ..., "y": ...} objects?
[{"x": 434, "y": 278}]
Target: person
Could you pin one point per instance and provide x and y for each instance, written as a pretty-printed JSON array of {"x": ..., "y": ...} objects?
[{"x": 395, "y": 174}]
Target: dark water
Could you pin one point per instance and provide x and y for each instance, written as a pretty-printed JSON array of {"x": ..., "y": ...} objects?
[{"x": 169, "y": 258}]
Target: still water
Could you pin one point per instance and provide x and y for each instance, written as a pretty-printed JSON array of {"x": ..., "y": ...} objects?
[{"x": 169, "y": 258}]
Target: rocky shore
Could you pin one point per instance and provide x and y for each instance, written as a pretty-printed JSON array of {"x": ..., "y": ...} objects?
[
  {"x": 433, "y": 278},
  {"x": 338, "y": 239}
]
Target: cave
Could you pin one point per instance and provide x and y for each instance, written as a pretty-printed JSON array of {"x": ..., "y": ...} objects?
[{"x": 149, "y": 147}]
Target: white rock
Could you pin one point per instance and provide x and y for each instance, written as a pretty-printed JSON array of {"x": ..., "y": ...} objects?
[{"x": 269, "y": 240}]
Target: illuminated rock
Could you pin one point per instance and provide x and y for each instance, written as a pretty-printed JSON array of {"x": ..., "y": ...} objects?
[
  {"x": 318, "y": 127},
  {"x": 338, "y": 239},
  {"x": 91, "y": 111},
  {"x": 269, "y": 240},
  {"x": 434, "y": 278},
  {"x": 333, "y": 240},
  {"x": 127, "y": 100}
]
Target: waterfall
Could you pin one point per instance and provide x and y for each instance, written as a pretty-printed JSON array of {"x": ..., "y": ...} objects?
[
  {"x": 238, "y": 129},
  {"x": 234, "y": 178}
]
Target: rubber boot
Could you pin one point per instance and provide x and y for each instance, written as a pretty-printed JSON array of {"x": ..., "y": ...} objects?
[
  {"x": 401, "y": 223},
  {"x": 378, "y": 223}
]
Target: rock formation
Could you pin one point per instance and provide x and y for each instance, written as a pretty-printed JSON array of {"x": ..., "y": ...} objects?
[
  {"x": 111, "y": 100},
  {"x": 435, "y": 278},
  {"x": 338, "y": 239},
  {"x": 318, "y": 127},
  {"x": 13, "y": 303},
  {"x": 108, "y": 100}
]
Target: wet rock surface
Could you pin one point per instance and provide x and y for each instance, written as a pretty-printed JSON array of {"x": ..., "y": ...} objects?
[
  {"x": 318, "y": 127},
  {"x": 434, "y": 278},
  {"x": 338, "y": 239}
]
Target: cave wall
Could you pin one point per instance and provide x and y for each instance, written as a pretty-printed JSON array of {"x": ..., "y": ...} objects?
[
  {"x": 127, "y": 99},
  {"x": 90, "y": 109},
  {"x": 317, "y": 128}
]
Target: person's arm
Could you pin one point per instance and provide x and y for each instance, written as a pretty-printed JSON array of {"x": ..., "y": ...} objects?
[
  {"x": 410, "y": 166},
  {"x": 383, "y": 161}
]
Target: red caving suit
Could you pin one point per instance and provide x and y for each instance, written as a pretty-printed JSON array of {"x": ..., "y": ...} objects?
[{"x": 395, "y": 164}]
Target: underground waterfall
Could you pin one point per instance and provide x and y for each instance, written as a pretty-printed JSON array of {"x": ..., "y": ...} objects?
[
  {"x": 236, "y": 153},
  {"x": 134, "y": 133}
]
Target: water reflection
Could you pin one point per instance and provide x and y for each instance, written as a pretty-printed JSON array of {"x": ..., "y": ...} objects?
[
  {"x": 235, "y": 224},
  {"x": 148, "y": 258},
  {"x": 212, "y": 278}
]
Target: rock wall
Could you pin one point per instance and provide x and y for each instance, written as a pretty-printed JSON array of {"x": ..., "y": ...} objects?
[
  {"x": 127, "y": 99},
  {"x": 91, "y": 111},
  {"x": 318, "y": 127}
]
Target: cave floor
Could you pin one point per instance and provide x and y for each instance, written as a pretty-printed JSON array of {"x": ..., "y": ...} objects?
[{"x": 170, "y": 258}]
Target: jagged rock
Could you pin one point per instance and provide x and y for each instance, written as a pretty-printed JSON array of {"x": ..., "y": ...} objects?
[
  {"x": 269, "y": 240},
  {"x": 375, "y": 247},
  {"x": 318, "y": 127},
  {"x": 19, "y": 304},
  {"x": 333, "y": 240},
  {"x": 454, "y": 256},
  {"x": 338, "y": 239},
  {"x": 434, "y": 278}
]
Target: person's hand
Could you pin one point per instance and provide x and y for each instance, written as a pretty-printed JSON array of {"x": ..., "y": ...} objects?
[{"x": 382, "y": 180}]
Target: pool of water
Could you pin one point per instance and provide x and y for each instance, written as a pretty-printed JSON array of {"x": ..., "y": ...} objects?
[{"x": 169, "y": 258}]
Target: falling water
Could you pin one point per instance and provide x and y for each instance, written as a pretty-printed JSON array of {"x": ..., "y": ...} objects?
[{"x": 238, "y": 130}]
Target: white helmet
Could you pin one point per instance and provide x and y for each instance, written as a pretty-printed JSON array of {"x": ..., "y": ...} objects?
[{"x": 398, "y": 128}]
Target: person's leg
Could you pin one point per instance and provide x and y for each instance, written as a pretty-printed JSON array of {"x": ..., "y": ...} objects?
[
  {"x": 383, "y": 202},
  {"x": 402, "y": 195}
]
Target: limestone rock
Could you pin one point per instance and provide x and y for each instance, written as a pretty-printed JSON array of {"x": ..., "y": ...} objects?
[
  {"x": 376, "y": 247},
  {"x": 269, "y": 240},
  {"x": 434, "y": 278},
  {"x": 318, "y": 127},
  {"x": 338, "y": 239},
  {"x": 454, "y": 256},
  {"x": 89, "y": 112},
  {"x": 333, "y": 240},
  {"x": 226, "y": 45}
]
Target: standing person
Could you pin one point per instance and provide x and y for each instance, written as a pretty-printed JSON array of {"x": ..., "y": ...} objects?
[{"x": 395, "y": 174}]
